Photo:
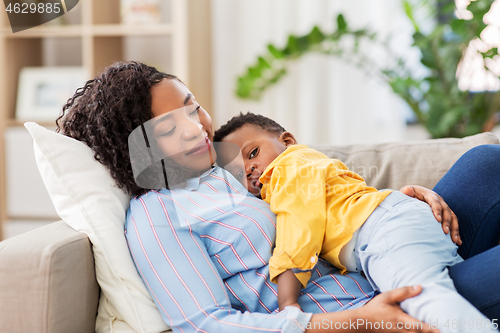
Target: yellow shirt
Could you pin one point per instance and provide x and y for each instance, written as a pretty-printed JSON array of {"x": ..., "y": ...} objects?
[{"x": 319, "y": 204}]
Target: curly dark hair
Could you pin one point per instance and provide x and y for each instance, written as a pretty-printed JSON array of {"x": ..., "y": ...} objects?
[
  {"x": 116, "y": 101},
  {"x": 240, "y": 120}
]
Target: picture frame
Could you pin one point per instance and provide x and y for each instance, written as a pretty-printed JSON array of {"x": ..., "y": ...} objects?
[
  {"x": 43, "y": 91},
  {"x": 140, "y": 11}
]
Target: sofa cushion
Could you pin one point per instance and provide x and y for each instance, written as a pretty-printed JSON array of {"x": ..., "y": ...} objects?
[
  {"x": 393, "y": 165},
  {"x": 87, "y": 199},
  {"x": 47, "y": 282}
]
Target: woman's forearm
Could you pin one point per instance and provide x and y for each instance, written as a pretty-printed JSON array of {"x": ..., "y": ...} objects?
[{"x": 381, "y": 314}]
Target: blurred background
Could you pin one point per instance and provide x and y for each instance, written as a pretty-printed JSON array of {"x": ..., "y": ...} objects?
[{"x": 330, "y": 71}]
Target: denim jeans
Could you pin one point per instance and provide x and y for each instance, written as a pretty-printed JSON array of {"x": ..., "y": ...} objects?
[{"x": 472, "y": 190}]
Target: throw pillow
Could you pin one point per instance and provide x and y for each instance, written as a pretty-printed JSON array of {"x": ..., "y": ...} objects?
[{"x": 87, "y": 199}]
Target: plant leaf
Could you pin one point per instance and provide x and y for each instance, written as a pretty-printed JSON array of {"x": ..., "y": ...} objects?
[
  {"x": 275, "y": 52},
  {"x": 409, "y": 12},
  {"x": 315, "y": 36},
  {"x": 341, "y": 23}
]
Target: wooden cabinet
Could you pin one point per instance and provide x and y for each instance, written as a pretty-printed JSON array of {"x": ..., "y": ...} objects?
[{"x": 91, "y": 36}]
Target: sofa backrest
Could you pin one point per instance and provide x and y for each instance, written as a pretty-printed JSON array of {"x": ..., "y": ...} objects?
[{"x": 393, "y": 165}]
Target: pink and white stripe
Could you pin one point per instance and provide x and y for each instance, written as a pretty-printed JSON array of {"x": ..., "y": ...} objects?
[
  {"x": 255, "y": 292},
  {"x": 226, "y": 226},
  {"x": 227, "y": 244},
  {"x": 184, "y": 251},
  {"x": 326, "y": 292},
  {"x": 162, "y": 283}
]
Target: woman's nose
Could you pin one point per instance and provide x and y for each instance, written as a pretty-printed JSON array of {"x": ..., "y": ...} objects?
[{"x": 191, "y": 129}]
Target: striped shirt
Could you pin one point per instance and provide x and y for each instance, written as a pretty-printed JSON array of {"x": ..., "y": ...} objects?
[{"x": 203, "y": 253}]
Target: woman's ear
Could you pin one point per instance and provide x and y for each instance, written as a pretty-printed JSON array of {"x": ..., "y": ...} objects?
[{"x": 287, "y": 139}]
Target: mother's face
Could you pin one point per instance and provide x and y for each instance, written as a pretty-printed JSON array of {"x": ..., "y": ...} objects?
[{"x": 182, "y": 128}]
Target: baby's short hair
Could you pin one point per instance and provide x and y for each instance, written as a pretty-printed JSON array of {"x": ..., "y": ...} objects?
[{"x": 240, "y": 120}]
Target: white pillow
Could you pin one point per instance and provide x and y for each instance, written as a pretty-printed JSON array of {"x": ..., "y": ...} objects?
[{"x": 87, "y": 199}]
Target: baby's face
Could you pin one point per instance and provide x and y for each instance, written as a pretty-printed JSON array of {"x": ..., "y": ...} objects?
[{"x": 259, "y": 148}]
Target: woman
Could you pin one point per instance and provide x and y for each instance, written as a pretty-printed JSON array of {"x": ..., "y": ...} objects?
[{"x": 202, "y": 248}]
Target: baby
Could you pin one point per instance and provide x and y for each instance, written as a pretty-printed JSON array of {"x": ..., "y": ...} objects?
[{"x": 324, "y": 209}]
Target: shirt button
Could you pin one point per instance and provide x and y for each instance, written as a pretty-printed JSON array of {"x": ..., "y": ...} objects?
[{"x": 313, "y": 260}]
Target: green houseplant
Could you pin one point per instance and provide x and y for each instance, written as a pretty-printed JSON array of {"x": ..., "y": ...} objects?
[{"x": 435, "y": 99}]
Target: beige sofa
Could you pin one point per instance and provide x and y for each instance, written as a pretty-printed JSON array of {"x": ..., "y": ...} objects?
[{"x": 47, "y": 277}]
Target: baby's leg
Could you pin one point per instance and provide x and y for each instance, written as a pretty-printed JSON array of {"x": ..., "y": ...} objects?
[{"x": 402, "y": 244}]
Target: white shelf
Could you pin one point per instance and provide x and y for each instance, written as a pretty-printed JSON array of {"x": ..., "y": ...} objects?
[
  {"x": 44, "y": 31},
  {"x": 91, "y": 30},
  {"x": 132, "y": 30}
]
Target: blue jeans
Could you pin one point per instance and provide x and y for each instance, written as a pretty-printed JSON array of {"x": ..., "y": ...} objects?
[{"x": 472, "y": 190}]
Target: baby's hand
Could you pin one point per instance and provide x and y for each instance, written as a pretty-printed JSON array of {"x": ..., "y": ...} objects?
[{"x": 440, "y": 209}]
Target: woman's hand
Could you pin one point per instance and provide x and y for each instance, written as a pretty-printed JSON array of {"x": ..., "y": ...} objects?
[
  {"x": 382, "y": 315},
  {"x": 386, "y": 307},
  {"x": 440, "y": 209}
]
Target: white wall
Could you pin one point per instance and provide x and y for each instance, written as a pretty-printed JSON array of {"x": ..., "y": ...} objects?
[{"x": 322, "y": 99}]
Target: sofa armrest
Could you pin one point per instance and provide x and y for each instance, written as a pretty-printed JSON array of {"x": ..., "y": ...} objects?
[
  {"x": 393, "y": 165},
  {"x": 47, "y": 282}
]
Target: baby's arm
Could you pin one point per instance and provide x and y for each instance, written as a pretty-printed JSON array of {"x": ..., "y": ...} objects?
[
  {"x": 288, "y": 289},
  {"x": 298, "y": 200}
]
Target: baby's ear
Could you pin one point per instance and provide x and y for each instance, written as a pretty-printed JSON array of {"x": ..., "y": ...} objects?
[{"x": 288, "y": 139}]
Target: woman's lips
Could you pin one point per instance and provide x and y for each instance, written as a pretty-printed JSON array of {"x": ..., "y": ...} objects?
[{"x": 201, "y": 148}]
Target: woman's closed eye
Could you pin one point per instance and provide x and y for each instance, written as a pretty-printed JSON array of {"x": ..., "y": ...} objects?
[
  {"x": 191, "y": 114},
  {"x": 195, "y": 112},
  {"x": 169, "y": 133}
]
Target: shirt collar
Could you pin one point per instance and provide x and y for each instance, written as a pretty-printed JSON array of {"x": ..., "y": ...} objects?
[{"x": 192, "y": 184}]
